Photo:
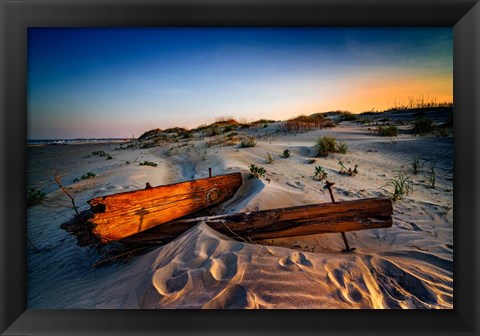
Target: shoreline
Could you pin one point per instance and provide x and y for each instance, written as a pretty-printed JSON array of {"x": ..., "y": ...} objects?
[{"x": 80, "y": 142}]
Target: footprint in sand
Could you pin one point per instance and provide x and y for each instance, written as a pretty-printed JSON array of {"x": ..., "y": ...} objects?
[
  {"x": 176, "y": 284},
  {"x": 336, "y": 276},
  {"x": 398, "y": 284},
  {"x": 296, "y": 184},
  {"x": 346, "y": 288},
  {"x": 166, "y": 284},
  {"x": 354, "y": 294},
  {"x": 224, "y": 267},
  {"x": 296, "y": 259},
  {"x": 208, "y": 247},
  {"x": 286, "y": 262},
  {"x": 301, "y": 259},
  {"x": 232, "y": 297}
]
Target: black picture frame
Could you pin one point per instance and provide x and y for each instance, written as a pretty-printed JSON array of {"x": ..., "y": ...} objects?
[{"x": 17, "y": 16}]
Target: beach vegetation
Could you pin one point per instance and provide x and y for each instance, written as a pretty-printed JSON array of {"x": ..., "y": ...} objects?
[
  {"x": 172, "y": 151},
  {"x": 102, "y": 154},
  {"x": 432, "y": 176},
  {"x": 214, "y": 130},
  {"x": 154, "y": 133},
  {"x": 441, "y": 132},
  {"x": 186, "y": 135},
  {"x": 423, "y": 126},
  {"x": 390, "y": 130},
  {"x": 88, "y": 175},
  {"x": 226, "y": 120},
  {"x": 325, "y": 145},
  {"x": 420, "y": 102},
  {"x": 417, "y": 165},
  {"x": 261, "y": 123},
  {"x": 256, "y": 172},
  {"x": 221, "y": 125},
  {"x": 148, "y": 145},
  {"x": 347, "y": 116},
  {"x": 228, "y": 128},
  {"x": 35, "y": 197},
  {"x": 148, "y": 163},
  {"x": 402, "y": 184},
  {"x": 67, "y": 192},
  {"x": 270, "y": 158},
  {"x": 305, "y": 123},
  {"x": 224, "y": 140},
  {"x": 347, "y": 171},
  {"x": 363, "y": 120},
  {"x": 176, "y": 130},
  {"x": 342, "y": 147},
  {"x": 320, "y": 173},
  {"x": 286, "y": 154},
  {"x": 248, "y": 142},
  {"x": 99, "y": 153},
  {"x": 328, "y": 144}
]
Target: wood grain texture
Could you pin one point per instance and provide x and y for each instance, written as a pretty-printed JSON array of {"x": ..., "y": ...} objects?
[
  {"x": 122, "y": 215},
  {"x": 363, "y": 214}
]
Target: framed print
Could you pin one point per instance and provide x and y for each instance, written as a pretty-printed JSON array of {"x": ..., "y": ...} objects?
[{"x": 312, "y": 166}]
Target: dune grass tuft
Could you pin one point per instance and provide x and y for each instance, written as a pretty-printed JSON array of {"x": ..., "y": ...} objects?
[
  {"x": 402, "y": 184},
  {"x": 256, "y": 172},
  {"x": 320, "y": 173},
  {"x": 390, "y": 130},
  {"x": 325, "y": 145},
  {"x": 417, "y": 165},
  {"x": 248, "y": 142},
  {"x": 148, "y": 163},
  {"x": 432, "y": 176},
  {"x": 35, "y": 197},
  {"x": 305, "y": 123},
  {"x": 423, "y": 126},
  {"x": 328, "y": 144},
  {"x": 270, "y": 158}
]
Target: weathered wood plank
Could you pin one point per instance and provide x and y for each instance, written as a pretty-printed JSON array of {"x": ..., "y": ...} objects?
[
  {"x": 363, "y": 214},
  {"x": 121, "y": 215}
]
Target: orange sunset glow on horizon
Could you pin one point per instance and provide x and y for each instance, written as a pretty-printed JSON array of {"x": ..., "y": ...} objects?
[{"x": 131, "y": 80}]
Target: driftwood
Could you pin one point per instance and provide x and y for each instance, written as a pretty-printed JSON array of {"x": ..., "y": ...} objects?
[
  {"x": 363, "y": 214},
  {"x": 121, "y": 215}
]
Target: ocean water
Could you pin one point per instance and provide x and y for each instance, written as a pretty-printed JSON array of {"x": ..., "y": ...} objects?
[{"x": 71, "y": 141}]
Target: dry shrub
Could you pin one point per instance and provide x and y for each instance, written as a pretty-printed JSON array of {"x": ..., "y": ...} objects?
[
  {"x": 225, "y": 140},
  {"x": 305, "y": 123},
  {"x": 390, "y": 130},
  {"x": 248, "y": 142}
]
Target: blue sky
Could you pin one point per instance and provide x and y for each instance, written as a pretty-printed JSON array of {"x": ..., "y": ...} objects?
[{"x": 109, "y": 82}]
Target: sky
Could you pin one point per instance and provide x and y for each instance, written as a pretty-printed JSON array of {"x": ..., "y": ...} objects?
[{"x": 115, "y": 82}]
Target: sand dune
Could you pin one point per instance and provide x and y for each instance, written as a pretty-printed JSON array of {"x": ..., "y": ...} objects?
[{"x": 407, "y": 266}]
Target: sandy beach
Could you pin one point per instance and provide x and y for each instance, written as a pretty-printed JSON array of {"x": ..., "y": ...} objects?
[{"x": 409, "y": 265}]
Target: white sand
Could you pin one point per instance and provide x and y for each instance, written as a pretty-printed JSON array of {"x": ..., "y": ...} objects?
[{"x": 409, "y": 265}]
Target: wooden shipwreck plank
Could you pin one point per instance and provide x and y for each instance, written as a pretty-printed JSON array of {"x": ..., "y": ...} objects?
[
  {"x": 363, "y": 214},
  {"x": 121, "y": 215}
]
